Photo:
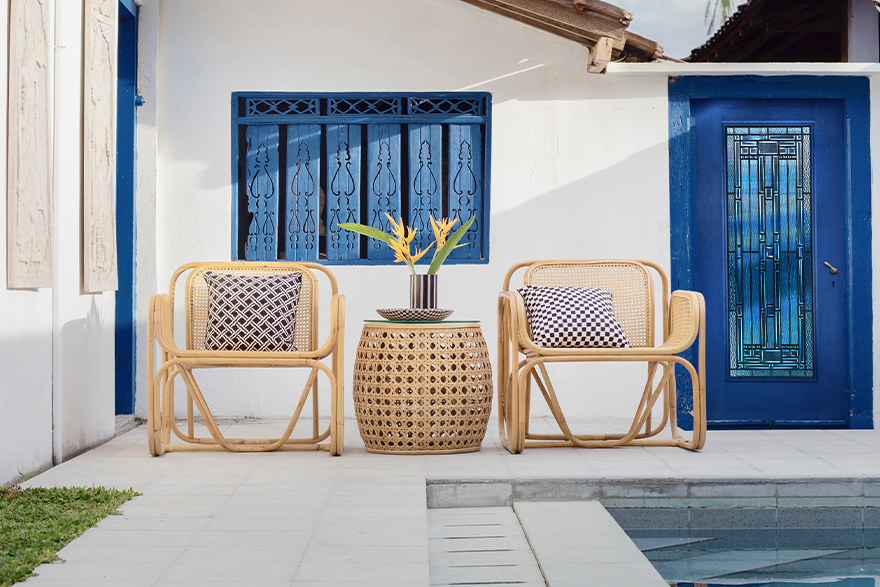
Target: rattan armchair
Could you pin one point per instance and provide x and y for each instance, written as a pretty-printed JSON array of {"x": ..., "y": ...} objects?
[
  {"x": 172, "y": 361},
  {"x": 521, "y": 362}
]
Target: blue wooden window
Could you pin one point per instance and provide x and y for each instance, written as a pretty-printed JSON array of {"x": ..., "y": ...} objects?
[
  {"x": 303, "y": 163},
  {"x": 769, "y": 251}
]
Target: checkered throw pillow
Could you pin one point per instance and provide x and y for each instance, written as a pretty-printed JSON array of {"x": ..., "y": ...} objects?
[
  {"x": 572, "y": 317},
  {"x": 251, "y": 312}
]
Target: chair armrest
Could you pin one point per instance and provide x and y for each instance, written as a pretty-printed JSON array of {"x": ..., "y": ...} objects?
[
  {"x": 163, "y": 322},
  {"x": 687, "y": 319},
  {"x": 519, "y": 320},
  {"x": 337, "y": 325}
]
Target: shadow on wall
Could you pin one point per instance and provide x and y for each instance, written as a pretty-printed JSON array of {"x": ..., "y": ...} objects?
[
  {"x": 25, "y": 405},
  {"x": 86, "y": 370},
  {"x": 621, "y": 211}
]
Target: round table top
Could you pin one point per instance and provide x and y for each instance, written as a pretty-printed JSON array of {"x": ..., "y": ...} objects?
[{"x": 422, "y": 321}]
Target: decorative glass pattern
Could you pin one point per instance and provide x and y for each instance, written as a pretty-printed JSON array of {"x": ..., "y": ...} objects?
[{"x": 769, "y": 251}]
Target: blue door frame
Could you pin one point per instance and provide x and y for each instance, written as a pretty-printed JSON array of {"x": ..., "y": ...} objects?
[
  {"x": 126, "y": 228},
  {"x": 855, "y": 95}
]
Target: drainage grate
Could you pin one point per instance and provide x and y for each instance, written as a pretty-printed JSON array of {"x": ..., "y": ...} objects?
[{"x": 480, "y": 547}]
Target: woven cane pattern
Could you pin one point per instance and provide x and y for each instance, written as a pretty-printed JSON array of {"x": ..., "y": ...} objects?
[
  {"x": 682, "y": 316},
  {"x": 630, "y": 286},
  {"x": 197, "y": 300},
  {"x": 422, "y": 388}
]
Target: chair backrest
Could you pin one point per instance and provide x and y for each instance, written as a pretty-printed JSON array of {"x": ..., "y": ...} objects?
[
  {"x": 306, "y": 332},
  {"x": 630, "y": 284}
]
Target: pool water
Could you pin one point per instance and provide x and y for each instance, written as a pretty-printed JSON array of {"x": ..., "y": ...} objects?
[{"x": 764, "y": 558}]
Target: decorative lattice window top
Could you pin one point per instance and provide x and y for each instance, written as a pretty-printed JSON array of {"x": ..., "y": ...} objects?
[
  {"x": 303, "y": 163},
  {"x": 258, "y": 107}
]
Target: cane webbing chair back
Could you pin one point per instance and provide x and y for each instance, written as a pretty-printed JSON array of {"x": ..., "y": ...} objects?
[
  {"x": 305, "y": 333},
  {"x": 630, "y": 285}
]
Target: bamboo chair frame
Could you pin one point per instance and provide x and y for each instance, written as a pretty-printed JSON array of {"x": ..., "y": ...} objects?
[
  {"x": 521, "y": 363},
  {"x": 174, "y": 362}
]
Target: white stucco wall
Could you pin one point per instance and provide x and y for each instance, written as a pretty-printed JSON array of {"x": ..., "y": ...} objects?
[
  {"x": 56, "y": 344},
  {"x": 25, "y": 348},
  {"x": 579, "y": 162}
]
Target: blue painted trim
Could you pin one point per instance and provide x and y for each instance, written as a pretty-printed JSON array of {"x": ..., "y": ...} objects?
[
  {"x": 293, "y": 95},
  {"x": 128, "y": 9},
  {"x": 487, "y": 188},
  {"x": 234, "y": 166},
  {"x": 401, "y": 117},
  {"x": 126, "y": 220},
  {"x": 275, "y": 120},
  {"x": 855, "y": 92}
]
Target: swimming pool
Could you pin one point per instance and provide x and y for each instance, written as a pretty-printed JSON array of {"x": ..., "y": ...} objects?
[{"x": 763, "y": 558}]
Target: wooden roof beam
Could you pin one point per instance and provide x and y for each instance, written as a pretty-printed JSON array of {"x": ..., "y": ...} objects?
[{"x": 587, "y": 22}]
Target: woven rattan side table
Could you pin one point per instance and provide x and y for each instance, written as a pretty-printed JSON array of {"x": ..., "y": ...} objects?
[{"x": 422, "y": 387}]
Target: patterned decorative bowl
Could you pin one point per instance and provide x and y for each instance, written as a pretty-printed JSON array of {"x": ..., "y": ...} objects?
[{"x": 414, "y": 314}]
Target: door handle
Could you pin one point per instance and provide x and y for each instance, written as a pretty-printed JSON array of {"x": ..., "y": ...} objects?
[{"x": 832, "y": 269}]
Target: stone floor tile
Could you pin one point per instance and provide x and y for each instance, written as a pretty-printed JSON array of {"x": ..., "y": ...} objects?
[
  {"x": 263, "y": 523},
  {"x": 137, "y": 538},
  {"x": 416, "y": 572},
  {"x": 370, "y": 554},
  {"x": 294, "y": 539},
  {"x": 120, "y": 554},
  {"x": 237, "y": 573},
  {"x": 126, "y": 522},
  {"x": 369, "y": 508},
  {"x": 101, "y": 571}
]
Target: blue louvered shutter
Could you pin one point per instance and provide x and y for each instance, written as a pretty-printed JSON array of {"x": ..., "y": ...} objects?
[
  {"x": 305, "y": 163},
  {"x": 426, "y": 180},
  {"x": 261, "y": 175},
  {"x": 383, "y": 190},
  {"x": 343, "y": 190},
  {"x": 466, "y": 186},
  {"x": 303, "y": 180}
]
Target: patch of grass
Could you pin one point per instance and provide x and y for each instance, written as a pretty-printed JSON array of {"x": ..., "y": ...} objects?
[{"x": 37, "y": 522}]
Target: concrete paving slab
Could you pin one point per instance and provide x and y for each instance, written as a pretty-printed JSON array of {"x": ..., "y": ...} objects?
[
  {"x": 560, "y": 531},
  {"x": 366, "y": 507},
  {"x": 480, "y": 546}
]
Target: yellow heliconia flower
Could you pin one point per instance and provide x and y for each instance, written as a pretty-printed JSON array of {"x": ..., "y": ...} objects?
[
  {"x": 441, "y": 230},
  {"x": 421, "y": 253},
  {"x": 401, "y": 237},
  {"x": 401, "y": 242}
]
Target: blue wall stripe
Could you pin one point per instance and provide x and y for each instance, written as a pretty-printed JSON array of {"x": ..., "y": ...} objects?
[{"x": 126, "y": 220}]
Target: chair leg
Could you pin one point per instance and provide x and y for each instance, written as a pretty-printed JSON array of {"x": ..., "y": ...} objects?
[
  {"x": 315, "y": 409},
  {"x": 698, "y": 383},
  {"x": 507, "y": 388},
  {"x": 190, "y": 424},
  {"x": 337, "y": 391},
  {"x": 650, "y": 395},
  {"x": 210, "y": 422}
]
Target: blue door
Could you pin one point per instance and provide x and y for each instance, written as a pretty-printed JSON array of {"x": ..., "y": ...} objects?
[{"x": 770, "y": 260}]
